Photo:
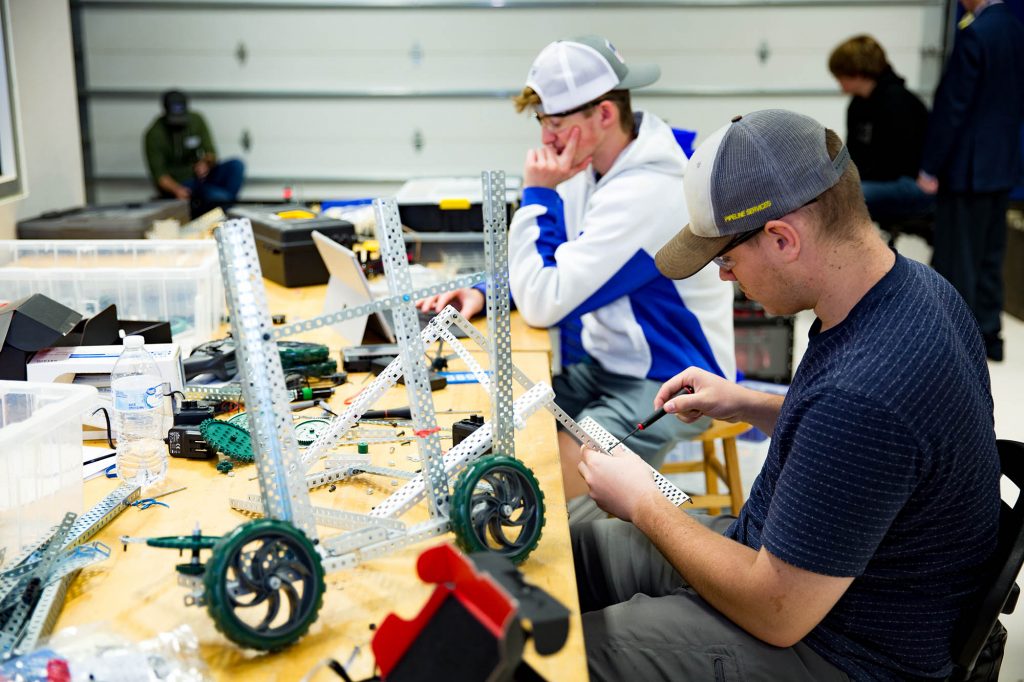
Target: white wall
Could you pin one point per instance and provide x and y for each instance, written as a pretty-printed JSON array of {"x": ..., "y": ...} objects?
[
  {"x": 332, "y": 99},
  {"x": 51, "y": 148}
]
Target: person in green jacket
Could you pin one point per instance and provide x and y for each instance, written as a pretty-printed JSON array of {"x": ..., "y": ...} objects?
[{"x": 183, "y": 162}]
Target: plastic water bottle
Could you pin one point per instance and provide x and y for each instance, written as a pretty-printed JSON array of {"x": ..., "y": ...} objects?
[{"x": 138, "y": 395}]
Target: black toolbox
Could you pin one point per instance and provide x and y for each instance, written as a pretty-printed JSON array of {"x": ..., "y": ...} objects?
[
  {"x": 110, "y": 221},
  {"x": 449, "y": 204},
  {"x": 284, "y": 241}
]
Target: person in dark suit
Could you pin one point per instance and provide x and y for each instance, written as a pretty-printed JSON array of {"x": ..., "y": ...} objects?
[{"x": 972, "y": 158}]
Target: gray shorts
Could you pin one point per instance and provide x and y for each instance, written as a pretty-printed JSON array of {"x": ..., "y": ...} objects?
[
  {"x": 642, "y": 621},
  {"x": 618, "y": 403}
]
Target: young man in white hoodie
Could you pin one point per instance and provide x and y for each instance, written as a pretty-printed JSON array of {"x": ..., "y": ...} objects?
[{"x": 601, "y": 196}]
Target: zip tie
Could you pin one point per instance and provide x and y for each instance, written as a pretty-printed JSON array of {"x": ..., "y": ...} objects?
[{"x": 348, "y": 400}]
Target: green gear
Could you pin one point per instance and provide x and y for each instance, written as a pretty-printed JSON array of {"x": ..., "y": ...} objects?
[
  {"x": 307, "y": 431},
  {"x": 486, "y": 497},
  {"x": 225, "y": 465},
  {"x": 240, "y": 419},
  {"x": 259, "y": 566},
  {"x": 231, "y": 439}
]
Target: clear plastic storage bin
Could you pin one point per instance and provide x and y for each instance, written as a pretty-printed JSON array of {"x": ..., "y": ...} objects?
[
  {"x": 40, "y": 458},
  {"x": 177, "y": 281}
]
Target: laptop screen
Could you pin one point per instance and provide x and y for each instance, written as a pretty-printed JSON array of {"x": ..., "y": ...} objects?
[{"x": 348, "y": 288}]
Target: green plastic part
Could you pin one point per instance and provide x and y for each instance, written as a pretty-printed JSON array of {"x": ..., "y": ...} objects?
[
  {"x": 363, "y": 448},
  {"x": 190, "y": 569},
  {"x": 240, "y": 419},
  {"x": 306, "y": 432},
  {"x": 300, "y": 352},
  {"x": 497, "y": 506},
  {"x": 188, "y": 542},
  {"x": 313, "y": 369},
  {"x": 264, "y": 584},
  {"x": 230, "y": 439}
]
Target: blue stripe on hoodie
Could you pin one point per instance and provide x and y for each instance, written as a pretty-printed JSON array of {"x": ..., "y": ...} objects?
[
  {"x": 673, "y": 333},
  {"x": 551, "y": 224}
]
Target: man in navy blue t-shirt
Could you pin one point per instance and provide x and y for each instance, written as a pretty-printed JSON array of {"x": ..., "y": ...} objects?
[{"x": 879, "y": 500}]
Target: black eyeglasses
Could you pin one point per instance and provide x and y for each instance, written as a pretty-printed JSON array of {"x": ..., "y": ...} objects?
[
  {"x": 553, "y": 121},
  {"x": 726, "y": 262}
]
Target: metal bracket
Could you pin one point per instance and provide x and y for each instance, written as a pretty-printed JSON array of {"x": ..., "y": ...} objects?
[
  {"x": 499, "y": 339},
  {"x": 13, "y": 629},
  {"x": 380, "y": 304},
  {"x": 52, "y": 563},
  {"x": 259, "y": 363},
  {"x": 599, "y": 437}
]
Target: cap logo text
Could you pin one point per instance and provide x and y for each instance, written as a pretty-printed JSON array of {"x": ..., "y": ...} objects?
[{"x": 748, "y": 211}]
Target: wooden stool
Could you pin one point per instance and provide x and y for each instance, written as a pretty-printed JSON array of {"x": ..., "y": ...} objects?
[{"x": 727, "y": 469}]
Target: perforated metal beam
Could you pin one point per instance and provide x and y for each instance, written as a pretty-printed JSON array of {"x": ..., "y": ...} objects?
[
  {"x": 474, "y": 445},
  {"x": 276, "y": 450},
  {"x": 378, "y": 305},
  {"x": 499, "y": 335},
  {"x": 407, "y": 329}
]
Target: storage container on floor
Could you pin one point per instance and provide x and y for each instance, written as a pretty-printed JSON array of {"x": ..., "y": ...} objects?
[{"x": 111, "y": 221}]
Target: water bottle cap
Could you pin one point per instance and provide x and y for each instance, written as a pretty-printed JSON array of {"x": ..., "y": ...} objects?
[{"x": 133, "y": 341}]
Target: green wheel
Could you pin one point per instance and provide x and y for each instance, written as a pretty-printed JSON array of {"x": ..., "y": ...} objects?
[
  {"x": 264, "y": 584},
  {"x": 498, "y": 506},
  {"x": 231, "y": 439}
]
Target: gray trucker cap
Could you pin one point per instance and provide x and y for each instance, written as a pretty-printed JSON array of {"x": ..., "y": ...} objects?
[{"x": 757, "y": 168}]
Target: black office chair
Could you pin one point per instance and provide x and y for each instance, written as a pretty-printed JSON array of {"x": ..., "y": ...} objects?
[
  {"x": 979, "y": 628},
  {"x": 919, "y": 224}
]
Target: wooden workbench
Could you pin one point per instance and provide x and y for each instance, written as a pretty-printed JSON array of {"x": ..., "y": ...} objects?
[{"x": 136, "y": 591}]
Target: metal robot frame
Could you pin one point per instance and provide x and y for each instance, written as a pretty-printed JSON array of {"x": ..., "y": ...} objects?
[{"x": 281, "y": 559}]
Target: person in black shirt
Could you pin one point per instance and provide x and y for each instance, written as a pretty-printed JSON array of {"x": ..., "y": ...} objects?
[{"x": 886, "y": 125}]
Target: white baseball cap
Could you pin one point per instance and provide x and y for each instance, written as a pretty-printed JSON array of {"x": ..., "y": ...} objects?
[{"x": 570, "y": 73}]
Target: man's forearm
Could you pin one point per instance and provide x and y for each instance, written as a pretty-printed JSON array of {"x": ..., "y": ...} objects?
[
  {"x": 724, "y": 572},
  {"x": 168, "y": 184},
  {"x": 762, "y": 410}
]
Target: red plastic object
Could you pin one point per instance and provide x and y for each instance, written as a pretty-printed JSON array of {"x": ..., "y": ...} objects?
[
  {"x": 456, "y": 577},
  {"x": 57, "y": 670}
]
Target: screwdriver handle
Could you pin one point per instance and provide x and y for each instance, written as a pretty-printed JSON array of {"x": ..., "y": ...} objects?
[
  {"x": 653, "y": 418},
  {"x": 688, "y": 390},
  {"x": 650, "y": 420}
]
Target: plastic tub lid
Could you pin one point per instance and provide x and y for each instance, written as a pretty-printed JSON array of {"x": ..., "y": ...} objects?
[{"x": 64, "y": 399}]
